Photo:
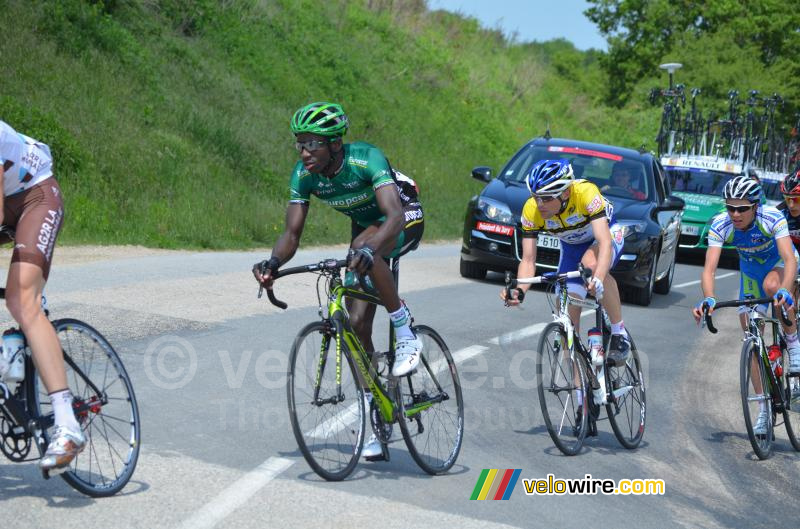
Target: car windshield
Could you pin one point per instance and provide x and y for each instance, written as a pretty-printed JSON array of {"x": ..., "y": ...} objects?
[
  {"x": 707, "y": 182},
  {"x": 615, "y": 175},
  {"x": 700, "y": 181},
  {"x": 772, "y": 190}
]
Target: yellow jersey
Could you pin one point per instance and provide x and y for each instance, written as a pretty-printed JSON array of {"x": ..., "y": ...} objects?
[{"x": 573, "y": 224}]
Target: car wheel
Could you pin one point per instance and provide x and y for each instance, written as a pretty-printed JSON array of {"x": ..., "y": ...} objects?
[
  {"x": 663, "y": 285},
  {"x": 472, "y": 270},
  {"x": 643, "y": 296}
]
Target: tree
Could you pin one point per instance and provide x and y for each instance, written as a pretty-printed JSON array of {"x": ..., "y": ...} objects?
[{"x": 642, "y": 33}]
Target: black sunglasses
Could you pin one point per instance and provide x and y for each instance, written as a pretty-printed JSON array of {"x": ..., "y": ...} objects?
[{"x": 739, "y": 209}]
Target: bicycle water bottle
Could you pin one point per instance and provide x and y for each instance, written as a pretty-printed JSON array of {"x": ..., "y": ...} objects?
[
  {"x": 598, "y": 361},
  {"x": 14, "y": 353},
  {"x": 775, "y": 359},
  {"x": 596, "y": 346}
]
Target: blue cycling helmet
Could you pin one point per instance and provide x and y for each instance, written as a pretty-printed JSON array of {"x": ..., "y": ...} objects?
[
  {"x": 744, "y": 188},
  {"x": 549, "y": 177}
]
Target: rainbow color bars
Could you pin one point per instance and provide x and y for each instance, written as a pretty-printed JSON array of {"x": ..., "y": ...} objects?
[{"x": 495, "y": 484}]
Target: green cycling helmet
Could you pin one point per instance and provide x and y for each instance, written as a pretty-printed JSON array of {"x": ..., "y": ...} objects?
[{"x": 325, "y": 119}]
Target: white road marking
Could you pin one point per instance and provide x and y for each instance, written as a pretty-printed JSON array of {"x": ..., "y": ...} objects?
[
  {"x": 690, "y": 283},
  {"x": 526, "y": 332},
  {"x": 237, "y": 494}
]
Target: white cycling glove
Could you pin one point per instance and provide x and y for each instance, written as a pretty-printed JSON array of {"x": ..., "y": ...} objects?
[{"x": 598, "y": 288}]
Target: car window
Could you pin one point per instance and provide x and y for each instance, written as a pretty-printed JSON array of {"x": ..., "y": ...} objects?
[
  {"x": 700, "y": 181},
  {"x": 772, "y": 190},
  {"x": 613, "y": 174}
]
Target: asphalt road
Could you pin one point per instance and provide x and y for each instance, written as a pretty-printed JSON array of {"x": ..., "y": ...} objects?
[{"x": 208, "y": 360}]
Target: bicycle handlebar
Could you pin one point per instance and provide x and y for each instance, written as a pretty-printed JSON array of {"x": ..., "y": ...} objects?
[
  {"x": 548, "y": 277},
  {"x": 326, "y": 265},
  {"x": 738, "y": 303}
]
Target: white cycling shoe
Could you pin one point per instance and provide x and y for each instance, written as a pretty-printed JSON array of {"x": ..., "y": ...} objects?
[
  {"x": 64, "y": 446},
  {"x": 406, "y": 355},
  {"x": 794, "y": 357},
  {"x": 372, "y": 447},
  {"x": 761, "y": 423}
]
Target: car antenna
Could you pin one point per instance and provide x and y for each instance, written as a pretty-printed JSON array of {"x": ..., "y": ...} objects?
[{"x": 547, "y": 134}]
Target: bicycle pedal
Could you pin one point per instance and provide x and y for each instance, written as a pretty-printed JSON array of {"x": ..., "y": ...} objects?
[{"x": 373, "y": 459}]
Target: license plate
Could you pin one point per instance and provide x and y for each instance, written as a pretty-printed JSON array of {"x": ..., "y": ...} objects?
[
  {"x": 546, "y": 241},
  {"x": 690, "y": 229}
]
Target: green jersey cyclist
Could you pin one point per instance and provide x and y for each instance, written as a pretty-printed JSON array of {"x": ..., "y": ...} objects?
[{"x": 386, "y": 221}]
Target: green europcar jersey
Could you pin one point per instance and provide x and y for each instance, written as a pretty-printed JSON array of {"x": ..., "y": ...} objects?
[{"x": 352, "y": 191}]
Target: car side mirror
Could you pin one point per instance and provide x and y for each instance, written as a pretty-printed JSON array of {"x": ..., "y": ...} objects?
[
  {"x": 482, "y": 173},
  {"x": 672, "y": 203}
]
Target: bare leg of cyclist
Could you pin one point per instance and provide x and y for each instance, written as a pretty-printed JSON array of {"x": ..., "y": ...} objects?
[
  {"x": 361, "y": 316},
  {"x": 619, "y": 347},
  {"x": 611, "y": 300},
  {"x": 407, "y": 346},
  {"x": 24, "y": 301}
]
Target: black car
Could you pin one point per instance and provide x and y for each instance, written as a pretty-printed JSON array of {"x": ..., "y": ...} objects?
[{"x": 650, "y": 214}]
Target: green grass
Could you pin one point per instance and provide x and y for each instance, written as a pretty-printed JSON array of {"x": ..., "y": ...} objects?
[{"x": 169, "y": 119}]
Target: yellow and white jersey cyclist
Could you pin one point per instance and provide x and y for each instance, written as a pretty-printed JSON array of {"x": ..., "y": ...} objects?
[{"x": 577, "y": 213}]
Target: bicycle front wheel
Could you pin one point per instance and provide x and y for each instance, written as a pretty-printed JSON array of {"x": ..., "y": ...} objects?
[
  {"x": 326, "y": 406},
  {"x": 430, "y": 406},
  {"x": 563, "y": 390},
  {"x": 626, "y": 404},
  {"x": 791, "y": 398},
  {"x": 755, "y": 398},
  {"x": 105, "y": 406}
]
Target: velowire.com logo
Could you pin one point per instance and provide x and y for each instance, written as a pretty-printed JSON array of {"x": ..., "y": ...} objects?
[{"x": 496, "y": 484}]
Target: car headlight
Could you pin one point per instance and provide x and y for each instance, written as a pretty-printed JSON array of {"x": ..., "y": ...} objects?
[
  {"x": 631, "y": 227},
  {"x": 495, "y": 210}
]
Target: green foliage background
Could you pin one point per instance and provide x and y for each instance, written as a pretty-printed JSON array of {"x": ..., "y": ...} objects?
[{"x": 169, "y": 119}]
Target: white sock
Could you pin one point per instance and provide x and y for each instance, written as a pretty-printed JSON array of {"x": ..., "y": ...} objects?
[
  {"x": 62, "y": 408},
  {"x": 401, "y": 320},
  {"x": 619, "y": 328},
  {"x": 579, "y": 396},
  {"x": 791, "y": 338},
  {"x": 762, "y": 404}
]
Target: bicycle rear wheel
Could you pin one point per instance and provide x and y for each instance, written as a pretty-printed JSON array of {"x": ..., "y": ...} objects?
[
  {"x": 563, "y": 390},
  {"x": 754, "y": 401},
  {"x": 626, "y": 405},
  {"x": 105, "y": 406},
  {"x": 328, "y": 418},
  {"x": 430, "y": 406}
]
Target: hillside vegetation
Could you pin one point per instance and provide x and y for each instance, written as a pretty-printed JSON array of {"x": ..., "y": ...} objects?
[{"x": 169, "y": 118}]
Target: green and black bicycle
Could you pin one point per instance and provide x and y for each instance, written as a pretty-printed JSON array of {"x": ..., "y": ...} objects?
[{"x": 329, "y": 371}]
